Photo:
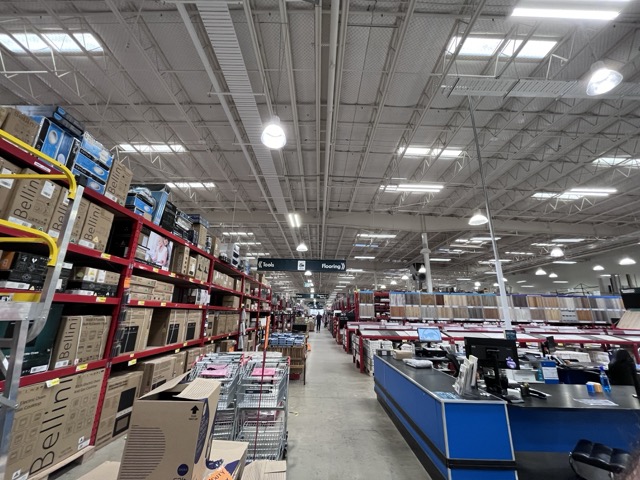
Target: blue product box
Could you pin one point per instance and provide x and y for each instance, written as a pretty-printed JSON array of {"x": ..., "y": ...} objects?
[
  {"x": 59, "y": 114},
  {"x": 92, "y": 183},
  {"x": 135, "y": 202},
  {"x": 67, "y": 146},
  {"x": 197, "y": 218},
  {"x": 94, "y": 149},
  {"x": 140, "y": 212},
  {"x": 49, "y": 138},
  {"x": 90, "y": 168},
  {"x": 161, "y": 197}
]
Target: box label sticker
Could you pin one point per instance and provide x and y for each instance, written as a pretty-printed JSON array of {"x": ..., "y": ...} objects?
[
  {"x": 5, "y": 182},
  {"x": 132, "y": 362},
  {"x": 19, "y": 221},
  {"x": 87, "y": 243},
  {"x": 82, "y": 367},
  {"x": 38, "y": 369},
  {"x": 53, "y": 382},
  {"x": 101, "y": 299},
  {"x": 61, "y": 363},
  {"x": 48, "y": 189}
]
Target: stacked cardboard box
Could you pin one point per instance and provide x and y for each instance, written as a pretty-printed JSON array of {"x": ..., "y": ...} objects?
[
  {"x": 192, "y": 355},
  {"x": 18, "y": 124},
  {"x": 95, "y": 228},
  {"x": 133, "y": 331},
  {"x": 167, "y": 327},
  {"x": 231, "y": 301},
  {"x": 223, "y": 280},
  {"x": 80, "y": 339},
  {"x": 90, "y": 159},
  {"x": 179, "y": 363},
  {"x": 118, "y": 183},
  {"x": 52, "y": 423},
  {"x": 180, "y": 260},
  {"x": 162, "y": 291},
  {"x": 122, "y": 390},
  {"x": 222, "y": 323},
  {"x": 141, "y": 288},
  {"x": 193, "y": 325},
  {"x": 155, "y": 372},
  {"x": 22, "y": 270},
  {"x": 93, "y": 281},
  {"x": 202, "y": 268}
]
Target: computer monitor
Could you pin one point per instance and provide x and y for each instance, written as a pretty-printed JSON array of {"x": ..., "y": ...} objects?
[
  {"x": 429, "y": 335},
  {"x": 493, "y": 352}
]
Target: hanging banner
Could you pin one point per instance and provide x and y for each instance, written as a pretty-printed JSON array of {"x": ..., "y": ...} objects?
[{"x": 295, "y": 265}]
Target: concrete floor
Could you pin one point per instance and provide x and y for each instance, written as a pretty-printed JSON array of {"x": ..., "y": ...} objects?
[{"x": 337, "y": 429}]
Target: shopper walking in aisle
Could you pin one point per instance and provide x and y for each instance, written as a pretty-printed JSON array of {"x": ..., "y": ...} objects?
[{"x": 318, "y": 322}]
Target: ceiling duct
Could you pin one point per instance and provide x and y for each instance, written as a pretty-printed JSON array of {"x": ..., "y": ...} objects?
[{"x": 218, "y": 24}]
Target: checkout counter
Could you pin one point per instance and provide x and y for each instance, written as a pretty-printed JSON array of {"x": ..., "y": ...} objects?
[{"x": 484, "y": 439}]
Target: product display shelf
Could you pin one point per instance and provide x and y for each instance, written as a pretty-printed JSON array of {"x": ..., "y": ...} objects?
[
  {"x": 168, "y": 276},
  {"x": 53, "y": 375},
  {"x": 131, "y": 357},
  {"x": 221, "y": 289},
  {"x": 221, "y": 336},
  {"x": 222, "y": 309},
  {"x": 160, "y": 304}
]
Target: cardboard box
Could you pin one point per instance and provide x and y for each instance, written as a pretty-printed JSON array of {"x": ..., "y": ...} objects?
[
  {"x": 84, "y": 274},
  {"x": 180, "y": 359},
  {"x": 266, "y": 470},
  {"x": 32, "y": 202},
  {"x": 177, "y": 419},
  {"x": 193, "y": 266},
  {"x": 180, "y": 261},
  {"x": 192, "y": 356},
  {"x": 192, "y": 325},
  {"x": 227, "y": 345},
  {"x": 122, "y": 390},
  {"x": 52, "y": 423},
  {"x": 76, "y": 231},
  {"x": 66, "y": 345},
  {"x": 6, "y": 184},
  {"x": 93, "y": 337},
  {"x": 38, "y": 352},
  {"x": 226, "y": 459},
  {"x": 106, "y": 471},
  {"x": 18, "y": 124},
  {"x": 146, "y": 282},
  {"x": 231, "y": 301},
  {"x": 163, "y": 287},
  {"x": 133, "y": 331},
  {"x": 96, "y": 229},
  {"x": 165, "y": 328},
  {"x": 155, "y": 372},
  {"x": 118, "y": 183}
]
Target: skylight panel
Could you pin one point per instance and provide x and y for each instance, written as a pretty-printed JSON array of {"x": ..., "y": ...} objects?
[
  {"x": 618, "y": 162},
  {"x": 487, "y": 46},
  {"x": 23, "y": 43},
  {"x": 152, "y": 147},
  {"x": 191, "y": 184}
]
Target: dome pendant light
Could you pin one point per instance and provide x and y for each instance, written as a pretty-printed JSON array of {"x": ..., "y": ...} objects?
[
  {"x": 553, "y": 275},
  {"x": 478, "y": 219},
  {"x": 273, "y": 135},
  {"x": 556, "y": 252},
  {"x": 302, "y": 247},
  {"x": 540, "y": 271},
  {"x": 602, "y": 80}
]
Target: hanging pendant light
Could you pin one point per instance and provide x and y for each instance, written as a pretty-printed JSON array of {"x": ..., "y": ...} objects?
[
  {"x": 602, "y": 80},
  {"x": 273, "y": 135},
  {"x": 307, "y": 273},
  {"x": 553, "y": 275},
  {"x": 556, "y": 252},
  {"x": 598, "y": 268},
  {"x": 302, "y": 247},
  {"x": 478, "y": 219},
  {"x": 405, "y": 277},
  {"x": 540, "y": 271},
  {"x": 423, "y": 269}
]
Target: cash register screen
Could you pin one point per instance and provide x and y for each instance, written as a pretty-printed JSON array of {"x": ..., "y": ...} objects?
[{"x": 429, "y": 335}]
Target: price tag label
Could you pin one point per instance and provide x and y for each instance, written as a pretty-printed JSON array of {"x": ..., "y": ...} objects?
[
  {"x": 106, "y": 256},
  {"x": 184, "y": 344},
  {"x": 132, "y": 355},
  {"x": 52, "y": 383},
  {"x": 132, "y": 361},
  {"x": 172, "y": 274},
  {"x": 127, "y": 282},
  {"x": 155, "y": 270},
  {"x": 82, "y": 367},
  {"x": 177, "y": 350},
  {"x": 192, "y": 280},
  {"x": 101, "y": 299},
  {"x": 163, "y": 304},
  {"x": 199, "y": 306},
  {"x": 140, "y": 302}
]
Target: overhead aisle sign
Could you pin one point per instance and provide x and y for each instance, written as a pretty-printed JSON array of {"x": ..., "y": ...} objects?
[
  {"x": 317, "y": 296},
  {"x": 295, "y": 265}
]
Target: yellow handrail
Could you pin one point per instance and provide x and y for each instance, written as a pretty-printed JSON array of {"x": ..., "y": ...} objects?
[
  {"x": 66, "y": 173},
  {"x": 38, "y": 237}
]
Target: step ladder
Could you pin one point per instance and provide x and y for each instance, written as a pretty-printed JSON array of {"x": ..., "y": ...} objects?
[{"x": 30, "y": 317}]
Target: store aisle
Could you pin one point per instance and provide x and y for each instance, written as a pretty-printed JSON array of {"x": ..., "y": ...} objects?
[{"x": 337, "y": 428}]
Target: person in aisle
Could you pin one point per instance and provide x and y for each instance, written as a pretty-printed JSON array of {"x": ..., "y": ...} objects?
[
  {"x": 622, "y": 370},
  {"x": 318, "y": 322}
]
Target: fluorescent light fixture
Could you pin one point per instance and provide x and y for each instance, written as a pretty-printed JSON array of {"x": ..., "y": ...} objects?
[
  {"x": 521, "y": 281},
  {"x": 376, "y": 235},
  {"x": 540, "y": 271},
  {"x": 199, "y": 185},
  {"x": 273, "y": 135},
  {"x": 308, "y": 273},
  {"x": 477, "y": 284},
  {"x": 463, "y": 279},
  {"x": 249, "y": 243},
  {"x": 414, "y": 151},
  {"x": 519, "y": 253},
  {"x": 568, "y": 240},
  {"x": 526, "y": 286},
  {"x": 237, "y": 234},
  {"x": 588, "y": 191},
  {"x": 424, "y": 151},
  {"x": 598, "y": 268},
  {"x": 490, "y": 272},
  {"x": 413, "y": 188},
  {"x": 365, "y": 245},
  {"x": 487, "y": 46},
  {"x": 152, "y": 148},
  {"x": 364, "y": 257},
  {"x": 544, "y": 245},
  {"x": 483, "y": 239},
  {"x": 478, "y": 219},
  {"x": 564, "y": 262},
  {"x": 605, "y": 275},
  {"x": 302, "y": 247},
  {"x": 556, "y": 252},
  {"x": 439, "y": 259},
  {"x": 474, "y": 247},
  {"x": 566, "y": 13},
  {"x": 618, "y": 162},
  {"x": 560, "y": 281},
  {"x": 602, "y": 80},
  {"x": 553, "y": 275},
  {"x": 567, "y": 195},
  {"x": 22, "y": 43},
  {"x": 461, "y": 240},
  {"x": 423, "y": 269},
  {"x": 355, "y": 270},
  {"x": 627, "y": 261},
  {"x": 294, "y": 220},
  {"x": 446, "y": 153},
  {"x": 405, "y": 277}
]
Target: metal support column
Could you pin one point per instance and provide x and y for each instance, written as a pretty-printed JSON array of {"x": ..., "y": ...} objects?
[
  {"x": 427, "y": 264},
  {"x": 504, "y": 305}
]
